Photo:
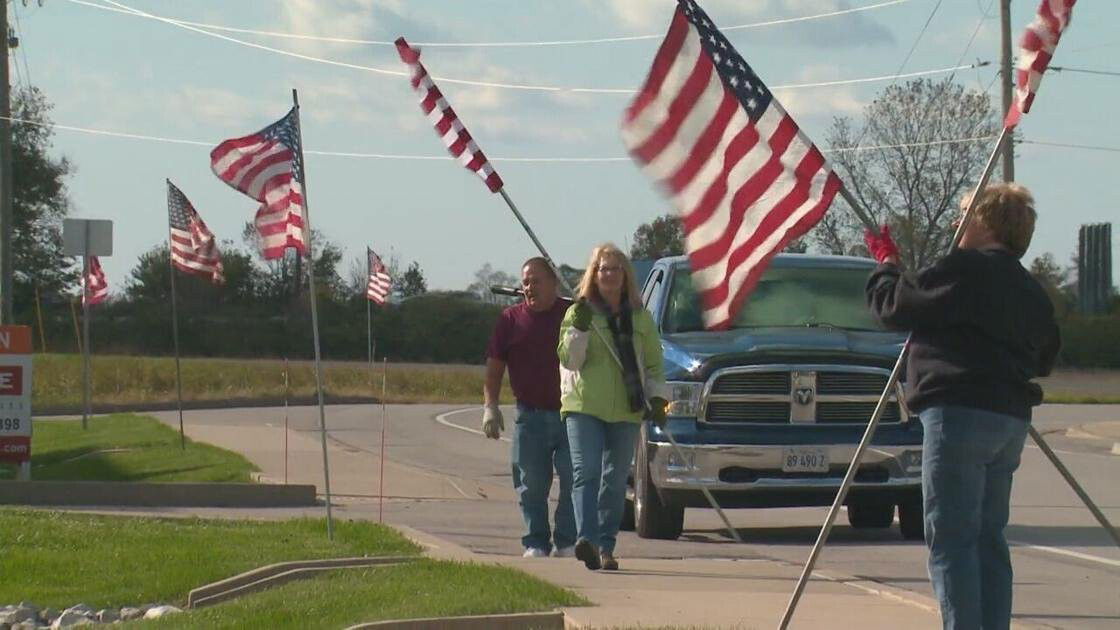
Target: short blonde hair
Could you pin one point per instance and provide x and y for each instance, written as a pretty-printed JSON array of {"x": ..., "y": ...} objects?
[
  {"x": 1007, "y": 210},
  {"x": 589, "y": 286}
]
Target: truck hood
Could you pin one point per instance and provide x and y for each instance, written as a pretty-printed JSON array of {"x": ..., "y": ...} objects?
[{"x": 693, "y": 355}]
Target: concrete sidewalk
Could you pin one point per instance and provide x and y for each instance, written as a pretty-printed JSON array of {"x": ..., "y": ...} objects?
[{"x": 646, "y": 593}]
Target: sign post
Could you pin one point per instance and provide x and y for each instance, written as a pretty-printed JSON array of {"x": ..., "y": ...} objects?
[
  {"x": 15, "y": 398},
  {"x": 85, "y": 238}
]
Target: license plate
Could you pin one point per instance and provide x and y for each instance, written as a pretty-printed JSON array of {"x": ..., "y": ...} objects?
[{"x": 805, "y": 460}]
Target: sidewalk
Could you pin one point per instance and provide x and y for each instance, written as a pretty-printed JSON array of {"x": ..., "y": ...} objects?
[
  {"x": 1107, "y": 430},
  {"x": 648, "y": 593}
]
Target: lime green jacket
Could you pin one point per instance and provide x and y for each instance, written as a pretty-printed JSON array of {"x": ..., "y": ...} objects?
[{"x": 591, "y": 378}]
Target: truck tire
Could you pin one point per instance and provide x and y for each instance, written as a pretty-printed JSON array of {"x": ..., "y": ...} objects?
[
  {"x": 870, "y": 514},
  {"x": 652, "y": 519},
  {"x": 912, "y": 518}
]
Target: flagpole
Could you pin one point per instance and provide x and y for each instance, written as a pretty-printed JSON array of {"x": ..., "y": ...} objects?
[
  {"x": 672, "y": 441},
  {"x": 381, "y": 475},
  {"x": 39, "y": 313},
  {"x": 85, "y": 337},
  {"x": 175, "y": 338},
  {"x": 314, "y": 319}
]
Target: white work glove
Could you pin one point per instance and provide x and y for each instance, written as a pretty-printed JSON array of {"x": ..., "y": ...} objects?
[{"x": 492, "y": 423}]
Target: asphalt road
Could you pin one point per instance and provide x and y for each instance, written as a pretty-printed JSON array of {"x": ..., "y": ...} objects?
[{"x": 1067, "y": 568}]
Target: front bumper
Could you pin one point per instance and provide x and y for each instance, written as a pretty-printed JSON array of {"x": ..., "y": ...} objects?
[{"x": 752, "y": 476}]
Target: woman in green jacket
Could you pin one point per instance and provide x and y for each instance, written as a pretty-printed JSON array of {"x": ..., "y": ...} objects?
[{"x": 610, "y": 366}]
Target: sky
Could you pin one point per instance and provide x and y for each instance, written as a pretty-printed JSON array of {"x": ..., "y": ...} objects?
[{"x": 116, "y": 72}]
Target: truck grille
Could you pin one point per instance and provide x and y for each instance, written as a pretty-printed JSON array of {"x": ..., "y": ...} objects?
[{"x": 797, "y": 395}]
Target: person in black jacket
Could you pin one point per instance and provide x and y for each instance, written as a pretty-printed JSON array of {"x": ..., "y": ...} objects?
[{"x": 981, "y": 328}]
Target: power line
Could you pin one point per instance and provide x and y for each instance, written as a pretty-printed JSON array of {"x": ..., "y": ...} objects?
[
  {"x": 569, "y": 42},
  {"x": 1109, "y": 73},
  {"x": 511, "y": 86},
  {"x": 22, "y": 46},
  {"x": 1065, "y": 145}
]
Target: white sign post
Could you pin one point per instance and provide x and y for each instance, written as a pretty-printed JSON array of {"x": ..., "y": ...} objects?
[
  {"x": 15, "y": 398},
  {"x": 85, "y": 238}
]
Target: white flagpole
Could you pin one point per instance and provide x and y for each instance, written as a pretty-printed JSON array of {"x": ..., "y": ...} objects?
[{"x": 314, "y": 322}]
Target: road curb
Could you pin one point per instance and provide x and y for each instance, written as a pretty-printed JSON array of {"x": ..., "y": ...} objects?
[
  {"x": 144, "y": 494},
  {"x": 1079, "y": 433}
]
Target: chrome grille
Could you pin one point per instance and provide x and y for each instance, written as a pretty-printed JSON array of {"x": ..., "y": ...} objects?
[
  {"x": 851, "y": 383},
  {"x": 753, "y": 383},
  {"x": 761, "y": 412},
  {"x": 853, "y": 412}
]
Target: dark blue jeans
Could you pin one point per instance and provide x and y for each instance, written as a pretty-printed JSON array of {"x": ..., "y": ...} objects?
[
  {"x": 601, "y": 454},
  {"x": 539, "y": 445},
  {"x": 968, "y": 458}
]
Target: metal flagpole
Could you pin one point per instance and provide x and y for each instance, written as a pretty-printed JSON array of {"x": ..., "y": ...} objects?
[
  {"x": 39, "y": 314},
  {"x": 85, "y": 336},
  {"x": 77, "y": 329},
  {"x": 287, "y": 394},
  {"x": 563, "y": 282},
  {"x": 314, "y": 320},
  {"x": 175, "y": 337},
  {"x": 381, "y": 475},
  {"x": 1101, "y": 518}
]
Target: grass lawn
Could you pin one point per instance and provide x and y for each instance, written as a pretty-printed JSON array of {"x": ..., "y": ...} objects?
[
  {"x": 424, "y": 589},
  {"x": 126, "y": 447},
  {"x": 129, "y": 380},
  {"x": 59, "y": 559}
]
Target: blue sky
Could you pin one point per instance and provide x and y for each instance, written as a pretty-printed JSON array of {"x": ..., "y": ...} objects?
[{"x": 116, "y": 72}]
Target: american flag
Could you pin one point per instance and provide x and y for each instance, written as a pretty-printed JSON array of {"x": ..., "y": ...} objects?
[
  {"x": 96, "y": 287},
  {"x": 744, "y": 177},
  {"x": 268, "y": 166},
  {"x": 455, "y": 136},
  {"x": 193, "y": 246},
  {"x": 1035, "y": 51},
  {"x": 377, "y": 290}
]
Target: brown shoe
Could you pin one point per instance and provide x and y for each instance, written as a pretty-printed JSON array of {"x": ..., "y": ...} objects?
[
  {"x": 606, "y": 559},
  {"x": 587, "y": 552}
]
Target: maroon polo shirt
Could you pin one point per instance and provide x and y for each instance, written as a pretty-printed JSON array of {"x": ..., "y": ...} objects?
[{"x": 526, "y": 341}]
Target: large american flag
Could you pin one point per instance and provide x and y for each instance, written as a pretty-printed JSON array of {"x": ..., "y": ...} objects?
[
  {"x": 1035, "y": 51},
  {"x": 744, "y": 177},
  {"x": 455, "y": 136},
  {"x": 193, "y": 246},
  {"x": 268, "y": 167},
  {"x": 379, "y": 285},
  {"x": 96, "y": 287}
]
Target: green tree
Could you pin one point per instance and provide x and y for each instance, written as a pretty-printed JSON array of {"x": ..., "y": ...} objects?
[
  {"x": 664, "y": 236},
  {"x": 412, "y": 283},
  {"x": 916, "y": 178},
  {"x": 39, "y": 204},
  {"x": 1056, "y": 282}
]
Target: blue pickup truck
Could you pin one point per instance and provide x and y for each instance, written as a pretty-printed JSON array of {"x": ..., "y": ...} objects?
[{"x": 769, "y": 412}]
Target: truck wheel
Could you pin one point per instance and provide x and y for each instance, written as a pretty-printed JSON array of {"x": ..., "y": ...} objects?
[
  {"x": 652, "y": 519},
  {"x": 911, "y": 518},
  {"x": 868, "y": 514}
]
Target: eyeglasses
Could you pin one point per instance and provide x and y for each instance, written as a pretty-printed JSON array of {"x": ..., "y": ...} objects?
[{"x": 610, "y": 268}]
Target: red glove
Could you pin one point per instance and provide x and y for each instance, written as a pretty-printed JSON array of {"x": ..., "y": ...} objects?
[{"x": 880, "y": 245}]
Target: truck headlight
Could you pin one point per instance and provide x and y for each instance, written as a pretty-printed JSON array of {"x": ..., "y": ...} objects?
[{"x": 684, "y": 398}]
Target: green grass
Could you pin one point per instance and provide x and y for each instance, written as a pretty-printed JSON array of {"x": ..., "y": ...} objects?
[
  {"x": 423, "y": 589},
  {"x": 59, "y": 559},
  {"x": 126, "y": 447},
  {"x": 130, "y": 380},
  {"x": 1064, "y": 398}
]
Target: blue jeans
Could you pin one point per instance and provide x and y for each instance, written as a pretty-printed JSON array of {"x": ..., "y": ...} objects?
[
  {"x": 601, "y": 454},
  {"x": 968, "y": 458},
  {"x": 539, "y": 444}
]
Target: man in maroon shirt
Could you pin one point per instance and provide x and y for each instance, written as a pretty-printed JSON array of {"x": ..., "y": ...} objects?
[{"x": 525, "y": 340}]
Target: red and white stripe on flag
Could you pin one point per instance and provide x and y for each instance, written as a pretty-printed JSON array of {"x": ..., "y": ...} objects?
[
  {"x": 379, "y": 284},
  {"x": 1035, "y": 51},
  {"x": 447, "y": 124},
  {"x": 96, "y": 288},
  {"x": 267, "y": 166},
  {"x": 743, "y": 176},
  {"x": 193, "y": 246}
]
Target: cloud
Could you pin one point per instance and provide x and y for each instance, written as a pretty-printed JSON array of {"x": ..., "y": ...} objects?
[
  {"x": 831, "y": 101},
  {"x": 349, "y": 19}
]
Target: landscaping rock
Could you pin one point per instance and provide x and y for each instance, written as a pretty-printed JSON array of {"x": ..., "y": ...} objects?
[
  {"x": 69, "y": 619},
  {"x": 48, "y": 615},
  {"x": 161, "y": 611},
  {"x": 107, "y": 615},
  {"x": 12, "y": 615},
  {"x": 128, "y": 613}
]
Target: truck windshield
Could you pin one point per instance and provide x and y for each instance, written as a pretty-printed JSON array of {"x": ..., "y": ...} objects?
[{"x": 784, "y": 297}]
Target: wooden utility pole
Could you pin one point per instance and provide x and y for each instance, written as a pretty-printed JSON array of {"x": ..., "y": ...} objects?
[
  {"x": 1008, "y": 80},
  {"x": 5, "y": 176}
]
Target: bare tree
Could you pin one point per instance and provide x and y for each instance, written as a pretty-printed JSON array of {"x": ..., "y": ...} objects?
[{"x": 909, "y": 163}]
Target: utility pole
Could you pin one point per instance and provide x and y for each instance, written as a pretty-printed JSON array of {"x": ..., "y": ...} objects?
[
  {"x": 5, "y": 175},
  {"x": 1008, "y": 81}
]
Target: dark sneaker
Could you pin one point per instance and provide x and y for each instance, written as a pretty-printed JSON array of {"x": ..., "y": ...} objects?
[
  {"x": 588, "y": 553},
  {"x": 606, "y": 559}
]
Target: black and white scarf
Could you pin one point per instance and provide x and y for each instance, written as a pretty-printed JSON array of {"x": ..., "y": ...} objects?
[{"x": 622, "y": 331}]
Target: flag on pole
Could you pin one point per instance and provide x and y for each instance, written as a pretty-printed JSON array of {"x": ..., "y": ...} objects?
[
  {"x": 96, "y": 286},
  {"x": 455, "y": 136},
  {"x": 1035, "y": 51},
  {"x": 267, "y": 167},
  {"x": 743, "y": 176},
  {"x": 193, "y": 246},
  {"x": 379, "y": 285}
]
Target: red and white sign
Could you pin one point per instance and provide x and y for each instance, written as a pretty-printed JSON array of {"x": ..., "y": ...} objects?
[{"x": 15, "y": 393}]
